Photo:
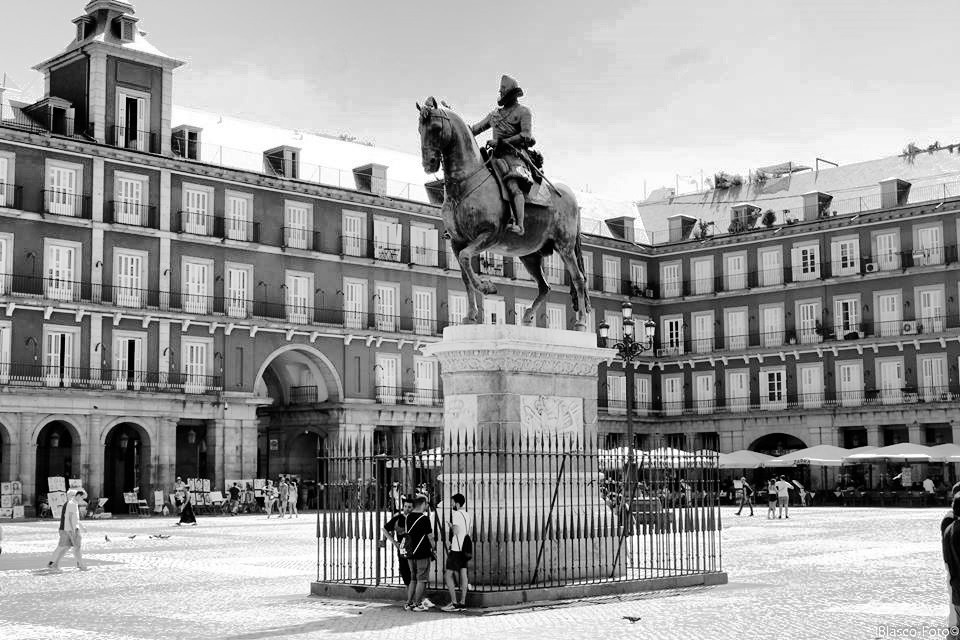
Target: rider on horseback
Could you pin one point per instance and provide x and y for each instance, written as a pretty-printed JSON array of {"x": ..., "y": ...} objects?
[{"x": 512, "y": 126}]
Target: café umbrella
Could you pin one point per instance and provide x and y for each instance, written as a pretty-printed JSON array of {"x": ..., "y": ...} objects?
[
  {"x": 743, "y": 459},
  {"x": 821, "y": 455},
  {"x": 948, "y": 452},
  {"x": 905, "y": 451}
]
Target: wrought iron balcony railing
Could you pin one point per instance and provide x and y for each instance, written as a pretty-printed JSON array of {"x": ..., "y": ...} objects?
[
  {"x": 14, "y": 374},
  {"x": 132, "y": 213},
  {"x": 409, "y": 395},
  {"x": 133, "y": 139},
  {"x": 66, "y": 203}
]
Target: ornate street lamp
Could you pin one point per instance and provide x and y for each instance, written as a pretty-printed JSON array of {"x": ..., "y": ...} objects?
[
  {"x": 629, "y": 349},
  {"x": 124, "y": 441}
]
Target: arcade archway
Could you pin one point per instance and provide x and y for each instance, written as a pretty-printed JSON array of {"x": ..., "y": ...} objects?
[
  {"x": 58, "y": 455},
  {"x": 126, "y": 465}
]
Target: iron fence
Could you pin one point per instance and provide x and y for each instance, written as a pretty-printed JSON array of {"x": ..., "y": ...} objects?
[{"x": 548, "y": 511}]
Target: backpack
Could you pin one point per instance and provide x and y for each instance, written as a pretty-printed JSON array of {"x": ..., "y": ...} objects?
[
  {"x": 467, "y": 546},
  {"x": 408, "y": 546}
]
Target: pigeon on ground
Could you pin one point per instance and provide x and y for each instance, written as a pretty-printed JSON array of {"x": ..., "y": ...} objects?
[
  {"x": 107, "y": 538},
  {"x": 132, "y": 537},
  {"x": 632, "y": 619}
]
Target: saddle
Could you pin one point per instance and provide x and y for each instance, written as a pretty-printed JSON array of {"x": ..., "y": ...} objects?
[{"x": 539, "y": 194}]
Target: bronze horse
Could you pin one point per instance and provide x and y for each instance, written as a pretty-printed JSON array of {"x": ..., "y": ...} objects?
[{"x": 474, "y": 213}]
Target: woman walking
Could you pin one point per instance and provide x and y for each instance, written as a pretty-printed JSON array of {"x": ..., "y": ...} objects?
[
  {"x": 270, "y": 498},
  {"x": 771, "y": 499},
  {"x": 186, "y": 511}
]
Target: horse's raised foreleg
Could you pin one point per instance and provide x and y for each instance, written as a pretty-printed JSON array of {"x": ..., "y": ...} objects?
[
  {"x": 533, "y": 263},
  {"x": 470, "y": 279},
  {"x": 579, "y": 285}
]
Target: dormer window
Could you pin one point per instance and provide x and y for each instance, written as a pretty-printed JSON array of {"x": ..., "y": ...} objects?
[
  {"x": 128, "y": 28},
  {"x": 186, "y": 142},
  {"x": 282, "y": 161},
  {"x": 83, "y": 27}
]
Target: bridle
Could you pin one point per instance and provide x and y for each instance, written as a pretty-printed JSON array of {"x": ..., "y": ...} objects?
[{"x": 437, "y": 113}]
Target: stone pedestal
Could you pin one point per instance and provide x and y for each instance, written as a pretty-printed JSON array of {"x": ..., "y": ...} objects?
[{"x": 520, "y": 428}]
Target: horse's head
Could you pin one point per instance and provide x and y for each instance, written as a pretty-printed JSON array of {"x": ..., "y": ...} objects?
[{"x": 434, "y": 134}]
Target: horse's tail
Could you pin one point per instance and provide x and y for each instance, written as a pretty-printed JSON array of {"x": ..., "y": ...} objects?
[{"x": 578, "y": 252}]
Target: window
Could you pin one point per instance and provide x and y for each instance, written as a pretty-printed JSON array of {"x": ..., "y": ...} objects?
[
  {"x": 196, "y": 285},
  {"x": 491, "y": 264},
  {"x": 806, "y": 261},
  {"x": 772, "y": 390},
  {"x": 299, "y": 297},
  {"x": 611, "y": 274},
  {"x": 425, "y": 380},
  {"x": 519, "y": 308},
  {"x": 846, "y": 316},
  {"x": 811, "y": 385},
  {"x": 771, "y": 267},
  {"x": 7, "y": 180},
  {"x": 196, "y": 361},
  {"x": 61, "y": 353},
  {"x": 702, "y": 332},
  {"x": 6, "y": 263},
  {"x": 736, "y": 271},
  {"x": 809, "y": 329},
  {"x": 850, "y": 388},
  {"x": 735, "y": 328},
  {"x": 703, "y": 392},
  {"x": 239, "y": 279},
  {"x": 62, "y": 264},
  {"x": 670, "y": 280},
  {"x": 702, "y": 275},
  {"x": 238, "y": 218},
  {"x": 354, "y": 303},
  {"x": 423, "y": 245},
  {"x": 354, "y": 234},
  {"x": 771, "y": 325},
  {"x": 672, "y": 395},
  {"x": 616, "y": 392},
  {"x": 638, "y": 278},
  {"x": 890, "y": 380},
  {"x": 63, "y": 188},
  {"x": 197, "y": 207},
  {"x": 129, "y": 273},
  {"x": 928, "y": 246},
  {"x": 614, "y": 320},
  {"x": 387, "y": 380},
  {"x": 553, "y": 268},
  {"x": 930, "y": 310},
  {"x": 298, "y": 223},
  {"x": 845, "y": 256},
  {"x": 889, "y": 313},
  {"x": 671, "y": 341},
  {"x": 386, "y": 239},
  {"x": 128, "y": 350},
  {"x": 452, "y": 262},
  {"x": 133, "y": 118},
  {"x": 556, "y": 316},
  {"x": 424, "y": 317},
  {"x": 5, "y": 338},
  {"x": 641, "y": 393},
  {"x": 129, "y": 199},
  {"x": 588, "y": 270},
  {"x": 738, "y": 389},
  {"x": 494, "y": 310},
  {"x": 886, "y": 250},
  {"x": 456, "y": 308},
  {"x": 933, "y": 377},
  {"x": 520, "y": 271},
  {"x": 386, "y": 296}
]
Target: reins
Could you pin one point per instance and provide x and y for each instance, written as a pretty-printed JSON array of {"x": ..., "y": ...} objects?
[{"x": 456, "y": 200}]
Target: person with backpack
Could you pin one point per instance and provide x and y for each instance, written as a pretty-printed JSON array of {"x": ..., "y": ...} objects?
[
  {"x": 461, "y": 550},
  {"x": 396, "y": 531},
  {"x": 746, "y": 495},
  {"x": 419, "y": 550}
]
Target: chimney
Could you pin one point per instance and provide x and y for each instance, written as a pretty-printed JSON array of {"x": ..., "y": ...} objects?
[
  {"x": 371, "y": 178},
  {"x": 816, "y": 204},
  {"x": 893, "y": 192},
  {"x": 623, "y": 227},
  {"x": 282, "y": 161},
  {"x": 679, "y": 227}
]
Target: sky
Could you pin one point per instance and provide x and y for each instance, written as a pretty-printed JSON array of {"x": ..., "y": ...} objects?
[{"x": 626, "y": 96}]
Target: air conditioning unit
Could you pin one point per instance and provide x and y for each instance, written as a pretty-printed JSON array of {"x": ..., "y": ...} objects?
[
  {"x": 871, "y": 267},
  {"x": 648, "y": 293},
  {"x": 410, "y": 398},
  {"x": 909, "y": 328}
]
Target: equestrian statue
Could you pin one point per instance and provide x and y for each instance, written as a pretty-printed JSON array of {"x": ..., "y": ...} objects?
[{"x": 497, "y": 199}]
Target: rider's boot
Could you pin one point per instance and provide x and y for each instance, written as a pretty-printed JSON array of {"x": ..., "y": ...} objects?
[{"x": 517, "y": 224}]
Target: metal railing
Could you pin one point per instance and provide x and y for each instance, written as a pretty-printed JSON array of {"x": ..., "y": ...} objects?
[
  {"x": 216, "y": 226},
  {"x": 66, "y": 203},
  {"x": 133, "y": 139},
  {"x": 303, "y": 395},
  {"x": 541, "y": 519},
  {"x": 409, "y": 395},
  {"x": 300, "y": 238},
  {"x": 54, "y": 124},
  {"x": 58, "y": 376},
  {"x": 132, "y": 213},
  {"x": 11, "y": 195}
]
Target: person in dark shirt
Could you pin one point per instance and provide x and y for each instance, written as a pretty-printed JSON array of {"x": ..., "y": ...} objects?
[
  {"x": 234, "y": 492},
  {"x": 395, "y": 531},
  {"x": 951, "y": 557},
  {"x": 419, "y": 547}
]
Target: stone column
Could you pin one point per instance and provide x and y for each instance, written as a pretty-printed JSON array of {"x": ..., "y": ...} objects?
[
  {"x": 166, "y": 454},
  {"x": 28, "y": 457},
  {"x": 92, "y": 456},
  {"x": 215, "y": 452},
  {"x": 873, "y": 435},
  {"x": 527, "y": 398},
  {"x": 10, "y": 453},
  {"x": 97, "y": 95},
  {"x": 915, "y": 433}
]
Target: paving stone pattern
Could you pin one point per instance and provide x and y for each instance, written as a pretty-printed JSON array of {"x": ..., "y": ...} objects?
[{"x": 824, "y": 573}]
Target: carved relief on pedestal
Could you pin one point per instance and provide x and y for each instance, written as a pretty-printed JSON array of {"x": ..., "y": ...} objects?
[
  {"x": 517, "y": 360},
  {"x": 552, "y": 415},
  {"x": 459, "y": 419}
]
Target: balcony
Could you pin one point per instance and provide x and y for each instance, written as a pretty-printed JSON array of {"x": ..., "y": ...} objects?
[
  {"x": 216, "y": 226},
  {"x": 45, "y": 122},
  {"x": 491, "y": 265},
  {"x": 424, "y": 257},
  {"x": 195, "y": 223},
  {"x": 133, "y": 139},
  {"x": 300, "y": 238},
  {"x": 11, "y": 195},
  {"x": 132, "y": 213},
  {"x": 409, "y": 396},
  {"x": 59, "y": 202},
  {"x": 57, "y": 376},
  {"x": 303, "y": 395},
  {"x": 387, "y": 252}
]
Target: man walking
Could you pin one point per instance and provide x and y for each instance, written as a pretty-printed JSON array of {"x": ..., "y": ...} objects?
[
  {"x": 460, "y": 525},
  {"x": 419, "y": 551},
  {"x": 284, "y": 490},
  {"x": 293, "y": 494},
  {"x": 70, "y": 531},
  {"x": 746, "y": 495},
  {"x": 783, "y": 497}
]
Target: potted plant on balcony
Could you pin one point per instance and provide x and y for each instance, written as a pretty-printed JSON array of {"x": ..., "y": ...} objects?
[
  {"x": 791, "y": 337},
  {"x": 769, "y": 218}
]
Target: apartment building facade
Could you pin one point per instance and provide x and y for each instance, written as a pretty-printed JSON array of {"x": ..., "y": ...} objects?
[{"x": 166, "y": 313}]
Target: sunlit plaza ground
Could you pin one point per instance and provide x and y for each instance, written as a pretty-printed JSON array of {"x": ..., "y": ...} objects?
[{"x": 824, "y": 573}]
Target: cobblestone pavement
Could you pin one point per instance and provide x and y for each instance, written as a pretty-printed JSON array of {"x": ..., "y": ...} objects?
[{"x": 824, "y": 573}]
